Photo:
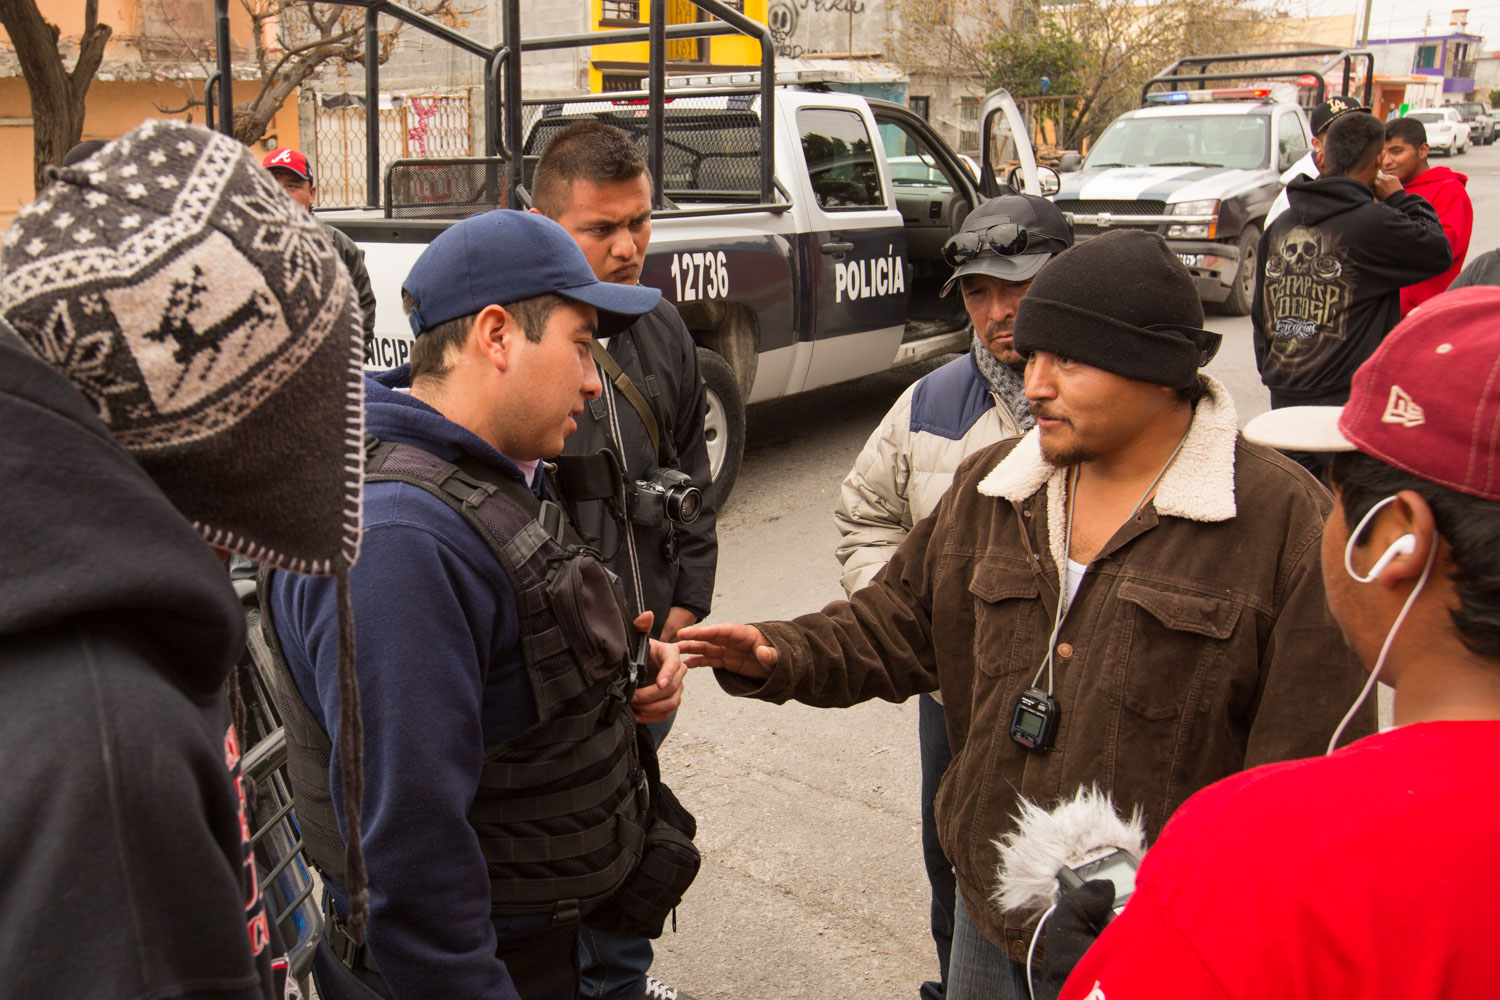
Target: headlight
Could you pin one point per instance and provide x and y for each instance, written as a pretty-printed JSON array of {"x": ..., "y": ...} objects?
[{"x": 1196, "y": 230}]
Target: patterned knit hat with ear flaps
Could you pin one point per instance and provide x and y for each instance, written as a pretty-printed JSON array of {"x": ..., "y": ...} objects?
[{"x": 211, "y": 323}]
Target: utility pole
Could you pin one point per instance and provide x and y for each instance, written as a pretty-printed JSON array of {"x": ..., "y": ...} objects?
[{"x": 1364, "y": 31}]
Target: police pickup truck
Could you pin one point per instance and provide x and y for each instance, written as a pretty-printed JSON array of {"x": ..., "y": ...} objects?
[
  {"x": 834, "y": 277},
  {"x": 1201, "y": 166}
]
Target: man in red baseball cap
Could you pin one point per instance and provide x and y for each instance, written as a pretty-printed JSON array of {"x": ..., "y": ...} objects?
[
  {"x": 1355, "y": 874},
  {"x": 290, "y": 168}
]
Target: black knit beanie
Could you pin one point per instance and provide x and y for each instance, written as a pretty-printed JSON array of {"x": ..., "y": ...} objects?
[{"x": 1122, "y": 302}]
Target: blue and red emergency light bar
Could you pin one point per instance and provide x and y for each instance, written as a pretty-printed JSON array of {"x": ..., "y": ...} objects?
[{"x": 1205, "y": 96}]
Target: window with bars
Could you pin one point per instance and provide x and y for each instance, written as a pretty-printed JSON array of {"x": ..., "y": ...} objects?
[
  {"x": 921, "y": 107},
  {"x": 621, "y": 10},
  {"x": 968, "y": 124}
]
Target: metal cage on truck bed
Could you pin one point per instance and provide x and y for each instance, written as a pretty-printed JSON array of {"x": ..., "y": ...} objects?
[{"x": 740, "y": 171}]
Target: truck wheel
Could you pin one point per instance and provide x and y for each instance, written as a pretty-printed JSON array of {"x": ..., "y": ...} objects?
[
  {"x": 1242, "y": 292},
  {"x": 723, "y": 424}
]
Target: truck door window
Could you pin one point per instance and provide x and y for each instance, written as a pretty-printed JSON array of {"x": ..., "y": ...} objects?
[
  {"x": 1291, "y": 138},
  {"x": 840, "y": 159},
  {"x": 912, "y": 164}
]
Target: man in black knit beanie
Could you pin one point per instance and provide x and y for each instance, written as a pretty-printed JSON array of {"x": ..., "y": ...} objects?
[{"x": 1131, "y": 562}]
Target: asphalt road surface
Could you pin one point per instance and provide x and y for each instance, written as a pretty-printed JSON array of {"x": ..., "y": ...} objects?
[{"x": 812, "y": 883}]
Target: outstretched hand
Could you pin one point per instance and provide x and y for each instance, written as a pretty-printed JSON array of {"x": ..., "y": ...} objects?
[
  {"x": 740, "y": 649},
  {"x": 656, "y": 702}
]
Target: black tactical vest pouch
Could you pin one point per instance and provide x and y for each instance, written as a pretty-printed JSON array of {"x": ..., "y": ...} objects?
[{"x": 669, "y": 861}]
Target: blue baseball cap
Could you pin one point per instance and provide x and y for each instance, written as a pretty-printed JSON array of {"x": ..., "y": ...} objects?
[{"x": 507, "y": 255}]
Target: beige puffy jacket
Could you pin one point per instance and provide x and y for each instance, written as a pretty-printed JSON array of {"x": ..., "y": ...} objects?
[{"x": 909, "y": 461}]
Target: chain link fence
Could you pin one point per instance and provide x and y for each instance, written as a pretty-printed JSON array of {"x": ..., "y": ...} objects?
[{"x": 411, "y": 125}]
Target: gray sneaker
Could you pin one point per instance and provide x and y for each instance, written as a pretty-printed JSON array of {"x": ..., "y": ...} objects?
[{"x": 658, "y": 990}]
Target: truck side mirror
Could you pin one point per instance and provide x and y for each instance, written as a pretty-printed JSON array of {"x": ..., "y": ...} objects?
[
  {"x": 1050, "y": 181},
  {"x": 1070, "y": 162}
]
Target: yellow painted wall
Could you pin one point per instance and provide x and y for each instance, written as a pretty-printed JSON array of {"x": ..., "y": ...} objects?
[
  {"x": 726, "y": 50},
  {"x": 113, "y": 108}
]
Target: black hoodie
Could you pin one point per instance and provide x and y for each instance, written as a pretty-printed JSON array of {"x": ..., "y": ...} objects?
[
  {"x": 125, "y": 865},
  {"x": 1328, "y": 290}
]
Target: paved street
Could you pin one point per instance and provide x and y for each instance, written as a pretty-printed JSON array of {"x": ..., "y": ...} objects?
[{"x": 812, "y": 883}]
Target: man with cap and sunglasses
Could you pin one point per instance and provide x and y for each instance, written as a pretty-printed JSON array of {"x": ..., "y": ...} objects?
[
  {"x": 291, "y": 170},
  {"x": 1131, "y": 570},
  {"x": 1311, "y": 164},
  {"x": 503, "y": 794},
  {"x": 909, "y": 460},
  {"x": 1361, "y": 873}
]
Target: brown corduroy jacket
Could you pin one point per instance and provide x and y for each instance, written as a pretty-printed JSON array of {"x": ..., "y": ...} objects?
[{"x": 1199, "y": 643}]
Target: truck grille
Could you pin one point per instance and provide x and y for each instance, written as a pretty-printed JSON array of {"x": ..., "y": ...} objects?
[{"x": 1094, "y": 206}]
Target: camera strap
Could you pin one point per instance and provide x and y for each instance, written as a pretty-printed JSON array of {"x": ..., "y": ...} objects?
[{"x": 630, "y": 392}]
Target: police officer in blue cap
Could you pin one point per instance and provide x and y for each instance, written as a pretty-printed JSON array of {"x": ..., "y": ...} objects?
[{"x": 504, "y": 794}]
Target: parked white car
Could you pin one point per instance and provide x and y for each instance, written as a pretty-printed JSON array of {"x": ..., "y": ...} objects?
[{"x": 1446, "y": 129}]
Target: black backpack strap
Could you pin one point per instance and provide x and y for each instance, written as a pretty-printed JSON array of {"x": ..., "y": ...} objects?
[
  {"x": 309, "y": 748},
  {"x": 516, "y": 532}
]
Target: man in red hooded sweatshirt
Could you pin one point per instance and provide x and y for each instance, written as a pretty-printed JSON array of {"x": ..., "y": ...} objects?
[{"x": 1406, "y": 157}]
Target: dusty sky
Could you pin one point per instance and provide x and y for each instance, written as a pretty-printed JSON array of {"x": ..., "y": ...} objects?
[{"x": 1407, "y": 18}]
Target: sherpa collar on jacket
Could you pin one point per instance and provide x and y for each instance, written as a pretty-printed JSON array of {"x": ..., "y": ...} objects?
[{"x": 1198, "y": 487}]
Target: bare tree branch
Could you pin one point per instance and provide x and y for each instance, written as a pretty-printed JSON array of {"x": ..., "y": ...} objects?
[
  {"x": 56, "y": 93},
  {"x": 291, "y": 40}
]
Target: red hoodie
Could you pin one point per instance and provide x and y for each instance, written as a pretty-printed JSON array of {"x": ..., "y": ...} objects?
[{"x": 1444, "y": 190}]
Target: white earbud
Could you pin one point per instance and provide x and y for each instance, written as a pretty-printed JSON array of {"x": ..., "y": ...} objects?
[{"x": 1403, "y": 546}]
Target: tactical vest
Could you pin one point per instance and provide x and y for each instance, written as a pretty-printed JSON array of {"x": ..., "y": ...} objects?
[{"x": 561, "y": 808}]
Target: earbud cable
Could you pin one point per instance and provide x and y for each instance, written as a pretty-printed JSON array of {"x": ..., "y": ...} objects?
[{"x": 1385, "y": 647}]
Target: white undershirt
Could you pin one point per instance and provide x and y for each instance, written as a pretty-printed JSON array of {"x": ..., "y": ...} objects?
[
  {"x": 1075, "y": 577},
  {"x": 528, "y": 469}
]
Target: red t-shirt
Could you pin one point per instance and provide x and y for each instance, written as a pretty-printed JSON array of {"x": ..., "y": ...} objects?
[
  {"x": 1445, "y": 190},
  {"x": 1370, "y": 874}
]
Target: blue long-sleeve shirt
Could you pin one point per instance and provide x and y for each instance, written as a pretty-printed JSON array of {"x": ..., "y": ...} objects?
[{"x": 441, "y": 678}]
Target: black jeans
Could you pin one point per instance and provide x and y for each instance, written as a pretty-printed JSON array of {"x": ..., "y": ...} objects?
[{"x": 543, "y": 966}]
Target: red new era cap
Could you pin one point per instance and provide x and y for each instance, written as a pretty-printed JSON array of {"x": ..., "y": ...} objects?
[
  {"x": 1427, "y": 401},
  {"x": 288, "y": 158}
]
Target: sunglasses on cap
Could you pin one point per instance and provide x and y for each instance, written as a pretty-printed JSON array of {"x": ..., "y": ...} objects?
[{"x": 1007, "y": 239}]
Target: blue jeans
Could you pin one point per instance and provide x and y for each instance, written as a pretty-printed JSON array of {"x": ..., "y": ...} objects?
[
  {"x": 979, "y": 969},
  {"x": 615, "y": 965},
  {"x": 932, "y": 735}
]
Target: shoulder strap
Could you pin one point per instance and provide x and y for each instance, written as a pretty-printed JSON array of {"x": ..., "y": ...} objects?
[{"x": 627, "y": 388}]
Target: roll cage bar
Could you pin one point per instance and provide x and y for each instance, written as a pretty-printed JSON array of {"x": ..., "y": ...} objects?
[
  {"x": 1194, "y": 70},
  {"x": 502, "y": 79}
]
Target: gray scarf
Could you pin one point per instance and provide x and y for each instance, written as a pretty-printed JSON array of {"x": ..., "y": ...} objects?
[{"x": 1009, "y": 384}]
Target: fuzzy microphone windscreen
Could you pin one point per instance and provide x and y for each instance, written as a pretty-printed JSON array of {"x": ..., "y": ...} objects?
[{"x": 1045, "y": 840}]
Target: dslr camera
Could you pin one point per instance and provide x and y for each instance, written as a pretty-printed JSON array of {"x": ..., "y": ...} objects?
[{"x": 665, "y": 495}]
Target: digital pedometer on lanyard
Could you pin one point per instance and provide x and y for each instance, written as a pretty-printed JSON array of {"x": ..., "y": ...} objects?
[{"x": 1034, "y": 724}]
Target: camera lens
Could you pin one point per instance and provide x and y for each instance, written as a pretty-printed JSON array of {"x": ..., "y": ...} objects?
[{"x": 684, "y": 504}]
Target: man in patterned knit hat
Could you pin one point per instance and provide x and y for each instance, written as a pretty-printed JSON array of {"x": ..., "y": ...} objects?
[{"x": 172, "y": 322}]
